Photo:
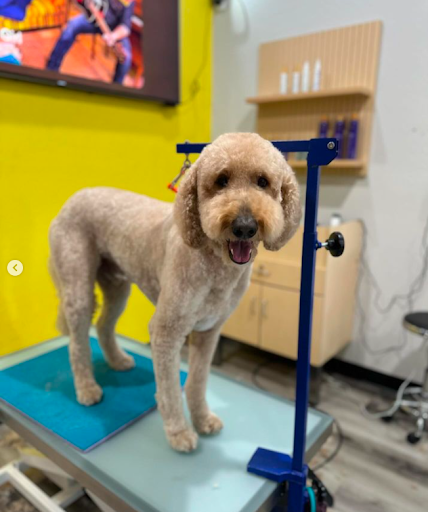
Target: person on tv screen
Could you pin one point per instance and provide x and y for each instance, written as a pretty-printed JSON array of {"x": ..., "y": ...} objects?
[{"x": 117, "y": 15}]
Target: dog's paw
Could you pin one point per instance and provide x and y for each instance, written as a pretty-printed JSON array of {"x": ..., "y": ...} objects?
[
  {"x": 209, "y": 424},
  {"x": 89, "y": 395},
  {"x": 184, "y": 441},
  {"x": 122, "y": 362}
]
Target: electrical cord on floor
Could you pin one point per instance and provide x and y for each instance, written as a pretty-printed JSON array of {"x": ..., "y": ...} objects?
[
  {"x": 404, "y": 300},
  {"x": 400, "y": 392},
  {"x": 335, "y": 452},
  {"x": 395, "y": 406},
  {"x": 312, "y": 499}
]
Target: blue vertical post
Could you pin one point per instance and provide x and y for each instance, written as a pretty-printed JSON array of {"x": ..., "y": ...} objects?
[
  {"x": 296, "y": 490},
  {"x": 268, "y": 463}
]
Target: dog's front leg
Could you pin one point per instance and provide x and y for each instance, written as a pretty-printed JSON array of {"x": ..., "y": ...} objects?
[
  {"x": 166, "y": 346},
  {"x": 202, "y": 346}
]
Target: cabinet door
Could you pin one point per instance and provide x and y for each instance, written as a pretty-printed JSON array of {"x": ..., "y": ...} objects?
[
  {"x": 280, "y": 322},
  {"x": 244, "y": 324}
]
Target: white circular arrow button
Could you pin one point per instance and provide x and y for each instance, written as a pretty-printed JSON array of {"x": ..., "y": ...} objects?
[{"x": 15, "y": 268}]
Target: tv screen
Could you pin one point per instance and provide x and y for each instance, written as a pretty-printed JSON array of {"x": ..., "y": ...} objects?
[{"x": 125, "y": 47}]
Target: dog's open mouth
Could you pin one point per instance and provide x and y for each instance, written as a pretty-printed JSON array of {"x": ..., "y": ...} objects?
[{"x": 240, "y": 251}]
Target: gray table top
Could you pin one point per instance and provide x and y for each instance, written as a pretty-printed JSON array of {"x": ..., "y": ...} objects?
[{"x": 137, "y": 471}]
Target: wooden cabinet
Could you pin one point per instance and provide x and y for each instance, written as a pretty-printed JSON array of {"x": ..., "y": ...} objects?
[
  {"x": 279, "y": 326},
  {"x": 268, "y": 314}
]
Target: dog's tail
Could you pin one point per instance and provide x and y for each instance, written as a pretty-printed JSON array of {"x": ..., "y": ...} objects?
[{"x": 61, "y": 322}]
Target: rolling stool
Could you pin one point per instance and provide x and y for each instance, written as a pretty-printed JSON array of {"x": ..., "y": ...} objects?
[{"x": 416, "y": 401}]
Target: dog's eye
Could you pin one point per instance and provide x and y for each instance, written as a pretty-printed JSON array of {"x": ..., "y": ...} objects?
[
  {"x": 262, "y": 182},
  {"x": 222, "y": 181}
]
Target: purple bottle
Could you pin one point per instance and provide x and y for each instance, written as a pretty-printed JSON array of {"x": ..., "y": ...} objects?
[
  {"x": 323, "y": 128},
  {"x": 339, "y": 130},
  {"x": 352, "y": 138}
]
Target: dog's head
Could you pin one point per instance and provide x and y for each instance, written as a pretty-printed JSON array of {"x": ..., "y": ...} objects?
[{"x": 239, "y": 192}]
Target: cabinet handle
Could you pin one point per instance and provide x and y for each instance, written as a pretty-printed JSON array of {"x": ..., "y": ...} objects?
[
  {"x": 253, "y": 306},
  {"x": 264, "y": 308},
  {"x": 263, "y": 271}
]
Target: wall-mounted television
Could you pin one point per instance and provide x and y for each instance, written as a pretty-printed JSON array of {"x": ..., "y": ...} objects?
[{"x": 124, "y": 47}]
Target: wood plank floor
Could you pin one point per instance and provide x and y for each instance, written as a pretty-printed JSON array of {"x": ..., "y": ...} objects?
[{"x": 376, "y": 469}]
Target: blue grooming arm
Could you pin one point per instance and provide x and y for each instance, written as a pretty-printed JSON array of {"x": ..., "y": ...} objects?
[{"x": 267, "y": 463}]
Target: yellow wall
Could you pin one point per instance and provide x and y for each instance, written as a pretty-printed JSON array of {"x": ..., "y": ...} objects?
[{"x": 54, "y": 142}]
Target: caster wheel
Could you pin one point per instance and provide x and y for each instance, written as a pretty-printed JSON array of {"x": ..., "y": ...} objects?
[
  {"x": 388, "y": 419},
  {"x": 413, "y": 438}
]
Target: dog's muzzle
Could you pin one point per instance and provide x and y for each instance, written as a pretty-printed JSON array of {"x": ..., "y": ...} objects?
[{"x": 244, "y": 227}]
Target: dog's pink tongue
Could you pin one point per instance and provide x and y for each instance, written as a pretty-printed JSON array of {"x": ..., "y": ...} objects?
[{"x": 241, "y": 250}]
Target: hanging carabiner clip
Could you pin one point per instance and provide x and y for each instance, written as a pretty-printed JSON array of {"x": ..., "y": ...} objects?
[{"x": 187, "y": 164}]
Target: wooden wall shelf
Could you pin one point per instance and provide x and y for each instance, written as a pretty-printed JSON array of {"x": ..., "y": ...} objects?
[
  {"x": 349, "y": 59},
  {"x": 339, "y": 163},
  {"x": 311, "y": 95}
]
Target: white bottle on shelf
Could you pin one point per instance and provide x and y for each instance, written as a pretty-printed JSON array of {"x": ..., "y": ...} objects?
[
  {"x": 316, "y": 84},
  {"x": 335, "y": 220},
  {"x": 283, "y": 81},
  {"x": 295, "y": 88},
  {"x": 305, "y": 77}
]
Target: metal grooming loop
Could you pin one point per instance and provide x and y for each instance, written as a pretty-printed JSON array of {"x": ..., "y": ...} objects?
[{"x": 273, "y": 465}]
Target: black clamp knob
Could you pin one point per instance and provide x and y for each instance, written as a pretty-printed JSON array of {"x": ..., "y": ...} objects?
[{"x": 335, "y": 244}]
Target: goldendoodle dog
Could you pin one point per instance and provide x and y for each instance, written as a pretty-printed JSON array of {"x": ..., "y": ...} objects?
[{"x": 192, "y": 259}]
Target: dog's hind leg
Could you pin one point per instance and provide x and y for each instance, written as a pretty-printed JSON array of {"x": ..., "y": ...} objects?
[
  {"x": 61, "y": 322},
  {"x": 115, "y": 293},
  {"x": 202, "y": 346},
  {"x": 76, "y": 262}
]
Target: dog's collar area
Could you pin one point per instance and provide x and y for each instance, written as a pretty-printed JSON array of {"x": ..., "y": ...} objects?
[{"x": 240, "y": 251}]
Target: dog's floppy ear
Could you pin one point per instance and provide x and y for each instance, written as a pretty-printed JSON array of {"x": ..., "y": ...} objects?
[
  {"x": 290, "y": 202},
  {"x": 186, "y": 209}
]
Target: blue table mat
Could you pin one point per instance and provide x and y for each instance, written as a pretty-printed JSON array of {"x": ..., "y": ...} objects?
[{"x": 42, "y": 389}]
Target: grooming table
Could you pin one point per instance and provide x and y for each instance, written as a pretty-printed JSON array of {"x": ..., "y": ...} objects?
[{"x": 136, "y": 470}]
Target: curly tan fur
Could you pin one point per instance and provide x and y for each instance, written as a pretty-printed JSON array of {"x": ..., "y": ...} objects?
[{"x": 179, "y": 258}]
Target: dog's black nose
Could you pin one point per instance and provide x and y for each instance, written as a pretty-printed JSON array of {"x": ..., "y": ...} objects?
[{"x": 244, "y": 227}]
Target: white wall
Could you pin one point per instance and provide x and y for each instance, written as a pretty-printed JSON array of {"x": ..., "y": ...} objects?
[{"x": 393, "y": 199}]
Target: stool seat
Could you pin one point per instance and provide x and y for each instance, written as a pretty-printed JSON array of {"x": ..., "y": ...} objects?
[{"x": 417, "y": 322}]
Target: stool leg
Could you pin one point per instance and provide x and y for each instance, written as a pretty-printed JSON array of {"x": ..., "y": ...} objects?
[
  {"x": 425, "y": 381},
  {"x": 425, "y": 385},
  {"x": 420, "y": 425},
  {"x": 415, "y": 437}
]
